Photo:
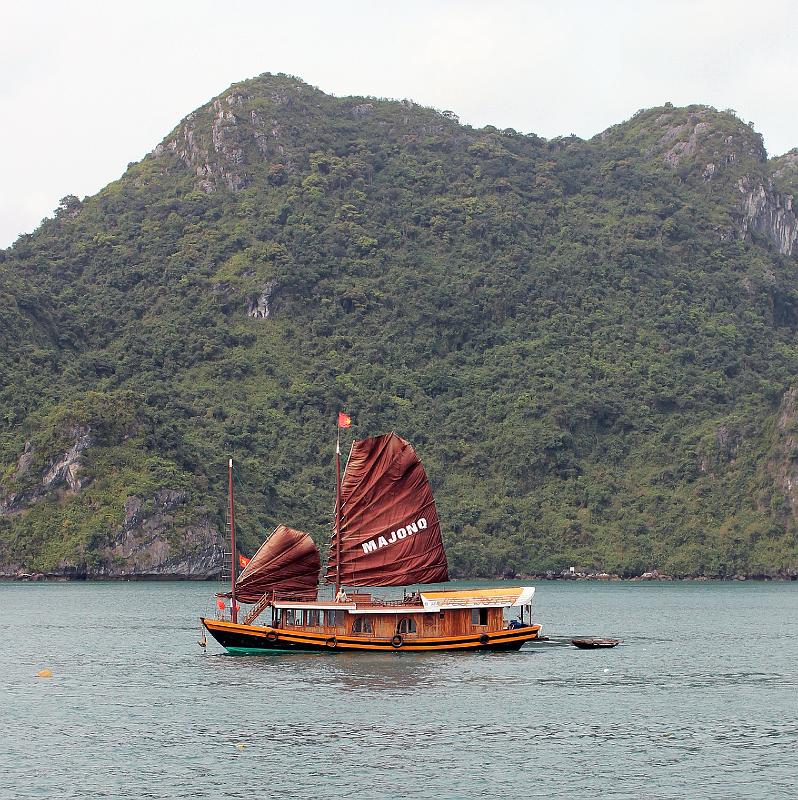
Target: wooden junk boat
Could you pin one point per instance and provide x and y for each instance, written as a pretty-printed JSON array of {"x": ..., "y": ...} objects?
[{"x": 386, "y": 533}]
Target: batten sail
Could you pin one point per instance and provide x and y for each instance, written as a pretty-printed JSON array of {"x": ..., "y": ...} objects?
[
  {"x": 390, "y": 533},
  {"x": 287, "y": 562}
]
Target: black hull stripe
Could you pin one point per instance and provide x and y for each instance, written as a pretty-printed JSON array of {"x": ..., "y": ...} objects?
[
  {"x": 282, "y": 646},
  {"x": 241, "y": 640}
]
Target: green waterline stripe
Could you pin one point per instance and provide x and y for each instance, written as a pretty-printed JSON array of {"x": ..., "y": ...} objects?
[{"x": 264, "y": 651}]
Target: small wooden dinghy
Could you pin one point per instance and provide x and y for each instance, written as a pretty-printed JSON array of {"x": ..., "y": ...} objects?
[{"x": 592, "y": 644}]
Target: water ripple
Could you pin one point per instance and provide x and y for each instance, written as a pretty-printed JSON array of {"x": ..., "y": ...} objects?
[{"x": 136, "y": 710}]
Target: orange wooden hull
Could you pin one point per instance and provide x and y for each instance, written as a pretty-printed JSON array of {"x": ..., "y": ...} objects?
[{"x": 253, "y": 639}]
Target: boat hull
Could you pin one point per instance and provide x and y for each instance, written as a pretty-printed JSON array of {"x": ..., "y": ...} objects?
[{"x": 259, "y": 639}]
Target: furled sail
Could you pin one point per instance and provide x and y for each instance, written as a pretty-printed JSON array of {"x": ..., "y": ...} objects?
[
  {"x": 390, "y": 534},
  {"x": 287, "y": 562}
]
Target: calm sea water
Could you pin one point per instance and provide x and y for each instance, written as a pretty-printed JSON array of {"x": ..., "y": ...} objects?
[{"x": 700, "y": 701}]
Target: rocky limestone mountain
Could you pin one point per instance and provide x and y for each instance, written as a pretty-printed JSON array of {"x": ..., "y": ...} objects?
[
  {"x": 150, "y": 541},
  {"x": 590, "y": 343}
]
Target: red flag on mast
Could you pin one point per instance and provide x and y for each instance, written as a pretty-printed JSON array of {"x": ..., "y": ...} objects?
[
  {"x": 344, "y": 420},
  {"x": 243, "y": 561}
]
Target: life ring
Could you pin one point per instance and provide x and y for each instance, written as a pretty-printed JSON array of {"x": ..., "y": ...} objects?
[
  {"x": 271, "y": 636},
  {"x": 332, "y": 643},
  {"x": 484, "y": 639},
  {"x": 397, "y": 641}
]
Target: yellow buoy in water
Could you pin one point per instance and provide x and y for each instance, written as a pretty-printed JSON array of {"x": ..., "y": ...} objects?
[
  {"x": 44, "y": 673},
  {"x": 240, "y": 746}
]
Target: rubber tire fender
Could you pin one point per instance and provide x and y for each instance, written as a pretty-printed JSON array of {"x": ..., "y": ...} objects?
[
  {"x": 332, "y": 643},
  {"x": 272, "y": 637},
  {"x": 484, "y": 639},
  {"x": 397, "y": 641}
]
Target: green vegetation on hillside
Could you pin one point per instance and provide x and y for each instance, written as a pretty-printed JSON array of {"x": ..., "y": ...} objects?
[{"x": 585, "y": 352}]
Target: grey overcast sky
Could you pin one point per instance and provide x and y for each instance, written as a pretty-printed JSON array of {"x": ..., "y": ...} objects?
[{"x": 86, "y": 87}]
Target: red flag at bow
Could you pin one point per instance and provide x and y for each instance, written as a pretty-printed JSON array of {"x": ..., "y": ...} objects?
[
  {"x": 344, "y": 420},
  {"x": 243, "y": 561}
]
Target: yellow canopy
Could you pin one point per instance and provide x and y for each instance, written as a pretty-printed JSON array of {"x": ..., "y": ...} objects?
[{"x": 500, "y": 597}]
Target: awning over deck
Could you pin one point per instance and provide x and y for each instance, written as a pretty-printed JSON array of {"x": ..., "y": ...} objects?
[
  {"x": 298, "y": 605},
  {"x": 478, "y": 598}
]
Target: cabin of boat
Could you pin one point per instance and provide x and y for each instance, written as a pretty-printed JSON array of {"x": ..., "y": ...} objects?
[
  {"x": 386, "y": 533},
  {"x": 423, "y": 621}
]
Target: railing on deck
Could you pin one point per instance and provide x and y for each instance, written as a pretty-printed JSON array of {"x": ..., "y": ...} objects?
[
  {"x": 407, "y": 601},
  {"x": 257, "y": 609},
  {"x": 355, "y": 597}
]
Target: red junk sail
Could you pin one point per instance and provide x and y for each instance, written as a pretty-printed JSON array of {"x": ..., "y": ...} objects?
[
  {"x": 287, "y": 562},
  {"x": 390, "y": 534}
]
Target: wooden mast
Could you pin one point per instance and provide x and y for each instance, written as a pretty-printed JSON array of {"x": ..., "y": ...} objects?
[
  {"x": 233, "y": 604},
  {"x": 338, "y": 512}
]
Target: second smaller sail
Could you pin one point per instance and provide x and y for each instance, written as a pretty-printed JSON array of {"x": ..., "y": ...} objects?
[{"x": 287, "y": 563}]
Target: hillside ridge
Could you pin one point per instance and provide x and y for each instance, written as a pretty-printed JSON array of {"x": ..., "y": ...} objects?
[{"x": 591, "y": 343}]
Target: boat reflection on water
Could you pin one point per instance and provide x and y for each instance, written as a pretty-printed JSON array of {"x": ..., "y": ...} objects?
[
  {"x": 354, "y": 672},
  {"x": 372, "y": 672}
]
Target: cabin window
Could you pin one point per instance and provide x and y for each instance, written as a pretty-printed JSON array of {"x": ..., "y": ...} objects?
[
  {"x": 479, "y": 616},
  {"x": 406, "y": 625},
  {"x": 312, "y": 617},
  {"x": 332, "y": 618},
  {"x": 289, "y": 616},
  {"x": 362, "y": 625}
]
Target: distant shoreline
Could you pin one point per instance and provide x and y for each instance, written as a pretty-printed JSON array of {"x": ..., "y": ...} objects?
[{"x": 783, "y": 576}]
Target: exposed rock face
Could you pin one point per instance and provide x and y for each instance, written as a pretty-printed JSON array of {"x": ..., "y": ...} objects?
[
  {"x": 23, "y": 465},
  {"x": 697, "y": 136},
  {"x": 768, "y": 213},
  {"x": 784, "y": 464},
  {"x": 219, "y": 164},
  {"x": 142, "y": 545},
  {"x": 258, "y": 308},
  {"x": 363, "y": 110},
  {"x": 225, "y": 142},
  {"x": 151, "y": 542},
  {"x": 63, "y": 473},
  {"x": 148, "y": 544},
  {"x": 723, "y": 450},
  {"x": 67, "y": 468},
  {"x": 686, "y": 147},
  {"x": 727, "y": 441},
  {"x": 239, "y": 136}
]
